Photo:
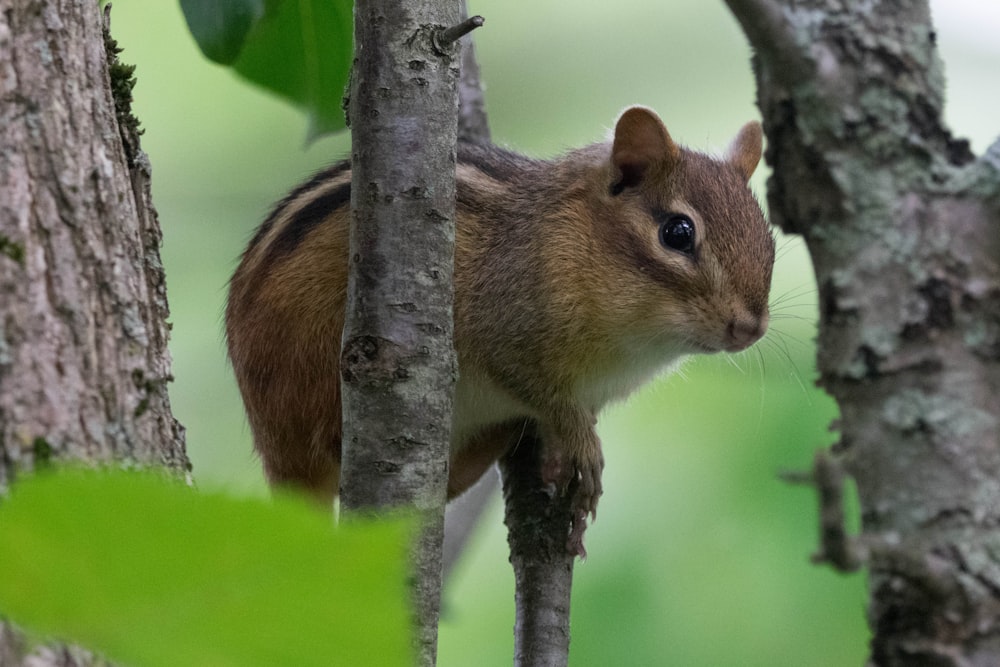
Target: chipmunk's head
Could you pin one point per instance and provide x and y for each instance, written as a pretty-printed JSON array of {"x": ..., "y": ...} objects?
[{"x": 690, "y": 236}]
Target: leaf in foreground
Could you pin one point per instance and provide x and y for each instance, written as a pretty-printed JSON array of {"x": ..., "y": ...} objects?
[
  {"x": 220, "y": 27},
  {"x": 152, "y": 573},
  {"x": 300, "y": 50}
]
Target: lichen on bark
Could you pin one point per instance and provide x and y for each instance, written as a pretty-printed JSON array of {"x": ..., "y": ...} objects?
[{"x": 900, "y": 219}]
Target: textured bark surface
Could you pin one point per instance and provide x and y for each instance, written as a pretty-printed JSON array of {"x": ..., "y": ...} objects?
[
  {"x": 398, "y": 362},
  {"x": 83, "y": 331},
  {"x": 83, "y": 358},
  {"x": 537, "y": 525},
  {"x": 901, "y": 220}
]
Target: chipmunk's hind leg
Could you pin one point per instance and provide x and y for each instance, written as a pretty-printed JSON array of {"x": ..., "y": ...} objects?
[{"x": 316, "y": 474}]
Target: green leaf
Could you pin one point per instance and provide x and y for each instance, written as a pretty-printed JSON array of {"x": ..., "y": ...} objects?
[
  {"x": 300, "y": 50},
  {"x": 221, "y": 26},
  {"x": 151, "y": 573}
]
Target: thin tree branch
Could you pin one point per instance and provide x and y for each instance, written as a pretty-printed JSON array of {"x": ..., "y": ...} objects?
[
  {"x": 462, "y": 516},
  {"x": 473, "y": 125},
  {"x": 537, "y": 523},
  {"x": 398, "y": 362}
]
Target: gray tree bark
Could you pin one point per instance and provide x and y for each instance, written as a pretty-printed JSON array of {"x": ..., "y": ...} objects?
[
  {"x": 901, "y": 220},
  {"x": 398, "y": 362},
  {"x": 537, "y": 528},
  {"x": 83, "y": 308}
]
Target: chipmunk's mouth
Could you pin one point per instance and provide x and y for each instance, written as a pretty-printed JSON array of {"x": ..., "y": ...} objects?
[
  {"x": 730, "y": 343},
  {"x": 699, "y": 347}
]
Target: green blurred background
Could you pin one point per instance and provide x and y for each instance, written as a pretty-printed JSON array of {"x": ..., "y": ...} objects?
[{"x": 700, "y": 555}]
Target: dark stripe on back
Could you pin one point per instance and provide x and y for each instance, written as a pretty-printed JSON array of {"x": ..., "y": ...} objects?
[
  {"x": 497, "y": 163},
  {"x": 314, "y": 182},
  {"x": 305, "y": 220}
]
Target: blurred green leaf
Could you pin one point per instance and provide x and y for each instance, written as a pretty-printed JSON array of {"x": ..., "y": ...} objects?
[
  {"x": 221, "y": 26},
  {"x": 152, "y": 573},
  {"x": 298, "y": 49}
]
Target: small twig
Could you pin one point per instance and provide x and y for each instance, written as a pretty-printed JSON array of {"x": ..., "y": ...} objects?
[
  {"x": 797, "y": 477},
  {"x": 449, "y": 36},
  {"x": 837, "y": 546}
]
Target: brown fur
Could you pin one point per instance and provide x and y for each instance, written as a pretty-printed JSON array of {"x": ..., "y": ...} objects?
[{"x": 565, "y": 298}]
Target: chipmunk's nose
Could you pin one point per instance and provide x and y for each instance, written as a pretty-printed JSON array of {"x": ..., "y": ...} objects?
[{"x": 745, "y": 329}]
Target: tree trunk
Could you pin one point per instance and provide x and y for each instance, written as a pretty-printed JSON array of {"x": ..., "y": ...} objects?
[
  {"x": 83, "y": 357},
  {"x": 398, "y": 361},
  {"x": 901, "y": 221}
]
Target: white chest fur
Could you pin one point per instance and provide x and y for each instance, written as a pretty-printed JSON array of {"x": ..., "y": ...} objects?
[{"x": 480, "y": 402}]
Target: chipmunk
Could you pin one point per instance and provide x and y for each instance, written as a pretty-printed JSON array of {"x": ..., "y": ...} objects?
[{"x": 577, "y": 280}]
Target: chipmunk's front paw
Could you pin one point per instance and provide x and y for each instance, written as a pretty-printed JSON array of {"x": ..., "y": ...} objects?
[
  {"x": 574, "y": 541},
  {"x": 572, "y": 461},
  {"x": 589, "y": 488},
  {"x": 582, "y": 478},
  {"x": 585, "y": 496}
]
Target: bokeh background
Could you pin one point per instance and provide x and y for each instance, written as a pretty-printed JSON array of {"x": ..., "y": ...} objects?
[{"x": 700, "y": 555}]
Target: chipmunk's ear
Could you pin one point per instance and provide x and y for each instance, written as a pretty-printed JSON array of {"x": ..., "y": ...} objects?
[
  {"x": 642, "y": 146},
  {"x": 745, "y": 150}
]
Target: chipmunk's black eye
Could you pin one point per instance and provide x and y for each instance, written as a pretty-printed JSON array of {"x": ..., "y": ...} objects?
[{"x": 677, "y": 233}]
